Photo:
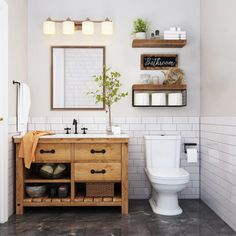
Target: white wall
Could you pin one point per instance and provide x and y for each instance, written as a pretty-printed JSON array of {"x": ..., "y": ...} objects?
[
  {"x": 218, "y": 48},
  {"x": 17, "y": 47},
  {"x": 218, "y": 126},
  {"x": 119, "y": 54},
  {"x": 17, "y": 57}
]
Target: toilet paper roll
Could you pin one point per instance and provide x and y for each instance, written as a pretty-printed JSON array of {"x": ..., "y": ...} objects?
[
  {"x": 192, "y": 155},
  {"x": 175, "y": 99},
  {"x": 158, "y": 99},
  {"x": 141, "y": 99}
]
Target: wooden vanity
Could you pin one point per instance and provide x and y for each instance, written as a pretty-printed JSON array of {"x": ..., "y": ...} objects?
[{"x": 90, "y": 158}]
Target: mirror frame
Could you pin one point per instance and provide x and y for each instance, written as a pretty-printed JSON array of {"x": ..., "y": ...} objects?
[{"x": 52, "y": 95}]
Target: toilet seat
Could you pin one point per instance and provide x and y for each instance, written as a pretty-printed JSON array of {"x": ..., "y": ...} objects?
[{"x": 168, "y": 175}]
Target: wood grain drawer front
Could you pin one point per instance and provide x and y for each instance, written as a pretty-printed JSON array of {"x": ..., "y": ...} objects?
[
  {"x": 98, "y": 152},
  {"x": 97, "y": 171},
  {"x": 53, "y": 152}
]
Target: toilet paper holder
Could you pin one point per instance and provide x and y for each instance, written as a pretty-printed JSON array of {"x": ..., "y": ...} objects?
[{"x": 187, "y": 145}]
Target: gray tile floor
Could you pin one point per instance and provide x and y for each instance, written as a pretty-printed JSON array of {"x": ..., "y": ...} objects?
[{"x": 197, "y": 219}]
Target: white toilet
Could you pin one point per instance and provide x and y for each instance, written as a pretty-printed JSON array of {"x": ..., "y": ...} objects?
[{"x": 162, "y": 169}]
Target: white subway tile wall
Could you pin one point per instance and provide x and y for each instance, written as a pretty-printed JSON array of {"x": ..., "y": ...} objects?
[
  {"x": 137, "y": 127},
  {"x": 218, "y": 166}
]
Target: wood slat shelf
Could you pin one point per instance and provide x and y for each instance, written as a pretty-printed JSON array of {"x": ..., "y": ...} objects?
[
  {"x": 38, "y": 180},
  {"x": 155, "y": 87},
  {"x": 158, "y": 43},
  {"x": 78, "y": 201}
]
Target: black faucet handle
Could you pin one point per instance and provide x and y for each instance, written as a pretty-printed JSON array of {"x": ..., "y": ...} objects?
[
  {"x": 67, "y": 130},
  {"x": 75, "y": 122},
  {"x": 84, "y": 130}
]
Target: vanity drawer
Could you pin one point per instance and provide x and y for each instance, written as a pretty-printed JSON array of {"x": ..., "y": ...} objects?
[
  {"x": 97, "y": 171},
  {"x": 98, "y": 152},
  {"x": 53, "y": 152}
]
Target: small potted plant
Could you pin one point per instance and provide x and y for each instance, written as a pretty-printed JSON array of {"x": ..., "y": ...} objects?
[
  {"x": 110, "y": 93},
  {"x": 140, "y": 28}
]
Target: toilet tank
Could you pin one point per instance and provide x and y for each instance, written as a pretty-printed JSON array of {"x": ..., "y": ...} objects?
[{"x": 162, "y": 151}]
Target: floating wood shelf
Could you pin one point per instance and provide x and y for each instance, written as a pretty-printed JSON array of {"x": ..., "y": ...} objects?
[
  {"x": 157, "y": 87},
  {"x": 158, "y": 43},
  {"x": 151, "y": 89}
]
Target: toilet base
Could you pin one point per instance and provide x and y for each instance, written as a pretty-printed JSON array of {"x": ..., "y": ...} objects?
[{"x": 165, "y": 204}]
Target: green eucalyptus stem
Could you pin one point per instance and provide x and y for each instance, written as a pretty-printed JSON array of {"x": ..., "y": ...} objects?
[
  {"x": 109, "y": 114},
  {"x": 108, "y": 86}
]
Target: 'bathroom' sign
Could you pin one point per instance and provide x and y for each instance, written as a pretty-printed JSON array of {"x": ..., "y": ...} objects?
[{"x": 158, "y": 61}]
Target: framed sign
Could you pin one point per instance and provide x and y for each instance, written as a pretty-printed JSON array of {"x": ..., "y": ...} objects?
[{"x": 158, "y": 61}]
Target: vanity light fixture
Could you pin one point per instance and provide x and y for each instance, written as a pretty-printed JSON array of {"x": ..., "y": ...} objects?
[
  {"x": 87, "y": 27},
  {"x": 107, "y": 27},
  {"x": 49, "y": 26},
  {"x": 68, "y": 27}
]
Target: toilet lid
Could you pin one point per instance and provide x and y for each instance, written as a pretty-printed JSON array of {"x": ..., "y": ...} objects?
[{"x": 168, "y": 173}]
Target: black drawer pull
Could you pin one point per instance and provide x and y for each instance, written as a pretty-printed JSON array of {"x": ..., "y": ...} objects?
[
  {"x": 98, "y": 171},
  {"x": 47, "y": 151},
  {"x": 103, "y": 151}
]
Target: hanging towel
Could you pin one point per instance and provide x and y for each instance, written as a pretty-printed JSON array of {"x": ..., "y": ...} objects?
[
  {"x": 24, "y": 102},
  {"x": 29, "y": 144}
]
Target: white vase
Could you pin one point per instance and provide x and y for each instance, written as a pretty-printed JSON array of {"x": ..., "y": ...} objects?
[{"x": 141, "y": 35}]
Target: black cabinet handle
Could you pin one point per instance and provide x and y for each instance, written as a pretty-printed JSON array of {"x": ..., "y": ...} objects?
[
  {"x": 103, "y": 151},
  {"x": 98, "y": 171},
  {"x": 47, "y": 151}
]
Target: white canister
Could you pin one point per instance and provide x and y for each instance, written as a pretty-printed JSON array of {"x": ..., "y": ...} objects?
[
  {"x": 158, "y": 99},
  {"x": 141, "y": 99},
  {"x": 175, "y": 99},
  {"x": 116, "y": 129}
]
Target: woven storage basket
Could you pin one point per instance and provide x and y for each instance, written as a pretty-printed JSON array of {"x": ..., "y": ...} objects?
[{"x": 100, "y": 189}]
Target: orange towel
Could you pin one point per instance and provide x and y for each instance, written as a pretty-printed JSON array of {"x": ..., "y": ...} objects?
[{"x": 29, "y": 144}]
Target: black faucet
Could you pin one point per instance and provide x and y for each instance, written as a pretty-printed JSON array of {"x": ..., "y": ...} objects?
[{"x": 75, "y": 123}]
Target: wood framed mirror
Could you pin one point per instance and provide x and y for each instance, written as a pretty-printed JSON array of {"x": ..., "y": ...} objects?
[{"x": 72, "y": 71}]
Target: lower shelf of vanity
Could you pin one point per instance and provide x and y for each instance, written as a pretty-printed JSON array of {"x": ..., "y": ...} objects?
[{"x": 78, "y": 201}]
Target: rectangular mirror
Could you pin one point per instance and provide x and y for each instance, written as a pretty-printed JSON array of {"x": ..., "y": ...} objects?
[{"x": 72, "y": 77}]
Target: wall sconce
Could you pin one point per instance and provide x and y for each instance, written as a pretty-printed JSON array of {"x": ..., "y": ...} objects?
[
  {"x": 87, "y": 27},
  {"x": 49, "y": 26},
  {"x": 69, "y": 27},
  {"x": 107, "y": 27}
]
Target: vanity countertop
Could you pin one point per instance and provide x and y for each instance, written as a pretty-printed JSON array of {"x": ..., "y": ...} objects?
[{"x": 17, "y": 138}]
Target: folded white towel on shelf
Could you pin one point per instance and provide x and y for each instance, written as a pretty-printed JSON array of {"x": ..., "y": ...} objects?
[
  {"x": 175, "y": 32},
  {"x": 175, "y": 36},
  {"x": 167, "y": 38},
  {"x": 23, "y": 106}
]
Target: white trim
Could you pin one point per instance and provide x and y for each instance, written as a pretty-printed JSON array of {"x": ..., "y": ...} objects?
[{"x": 4, "y": 111}]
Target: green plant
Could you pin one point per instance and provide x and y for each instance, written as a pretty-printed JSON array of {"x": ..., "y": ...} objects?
[
  {"x": 141, "y": 25},
  {"x": 108, "y": 89}
]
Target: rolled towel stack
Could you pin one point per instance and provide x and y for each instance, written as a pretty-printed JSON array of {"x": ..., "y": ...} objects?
[{"x": 175, "y": 33}]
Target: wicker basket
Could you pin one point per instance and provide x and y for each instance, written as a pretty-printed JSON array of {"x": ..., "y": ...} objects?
[{"x": 100, "y": 189}]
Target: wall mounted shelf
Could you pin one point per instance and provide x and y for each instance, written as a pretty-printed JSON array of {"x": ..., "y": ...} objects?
[
  {"x": 158, "y": 43},
  {"x": 151, "y": 95}
]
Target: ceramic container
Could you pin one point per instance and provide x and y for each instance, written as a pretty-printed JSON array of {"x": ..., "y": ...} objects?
[{"x": 141, "y": 35}]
